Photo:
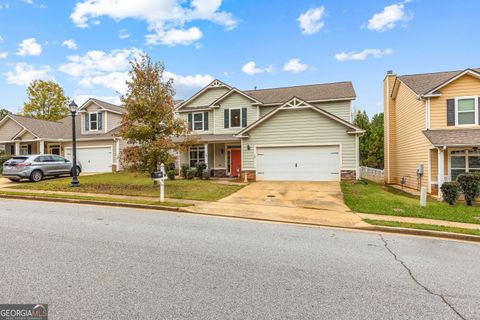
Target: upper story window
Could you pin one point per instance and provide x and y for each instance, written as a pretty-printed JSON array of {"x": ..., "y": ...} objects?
[
  {"x": 198, "y": 121},
  {"x": 93, "y": 121},
  {"x": 235, "y": 118},
  {"x": 466, "y": 109}
]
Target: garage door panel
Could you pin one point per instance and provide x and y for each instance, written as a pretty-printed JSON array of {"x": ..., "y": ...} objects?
[
  {"x": 316, "y": 163},
  {"x": 98, "y": 159}
]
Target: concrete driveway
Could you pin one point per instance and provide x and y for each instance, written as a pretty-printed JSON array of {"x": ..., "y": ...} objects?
[
  {"x": 298, "y": 202},
  {"x": 4, "y": 183}
]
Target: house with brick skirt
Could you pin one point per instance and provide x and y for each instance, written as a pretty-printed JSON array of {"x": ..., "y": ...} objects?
[
  {"x": 298, "y": 133},
  {"x": 432, "y": 121},
  {"x": 97, "y": 124}
]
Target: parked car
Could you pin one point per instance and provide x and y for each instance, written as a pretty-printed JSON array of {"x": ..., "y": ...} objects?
[{"x": 36, "y": 167}]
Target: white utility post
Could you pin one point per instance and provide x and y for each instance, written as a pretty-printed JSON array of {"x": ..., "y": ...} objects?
[
  {"x": 441, "y": 171},
  {"x": 162, "y": 184},
  {"x": 423, "y": 197}
]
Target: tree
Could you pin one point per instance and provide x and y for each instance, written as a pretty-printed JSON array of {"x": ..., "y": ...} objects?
[
  {"x": 4, "y": 112},
  {"x": 46, "y": 100},
  {"x": 149, "y": 124},
  {"x": 371, "y": 142}
]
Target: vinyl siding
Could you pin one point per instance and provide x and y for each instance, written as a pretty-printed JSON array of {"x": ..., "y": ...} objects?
[
  {"x": 410, "y": 144},
  {"x": 265, "y": 110},
  {"x": 464, "y": 86},
  {"x": 28, "y": 136},
  {"x": 92, "y": 107},
  {"x": 234, "y": 101},
  {"x": 113, "y": 120},
  {"x": 389, "y": 128},
  {"x": 184, "y": 117},
  {"x": 207, "y": 97},
  {"x": 9, "y": 129},
  {"x": 296, "y": 127},
  {"x": 341, "y": 109}
]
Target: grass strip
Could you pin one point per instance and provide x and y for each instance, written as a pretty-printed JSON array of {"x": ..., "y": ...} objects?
[{"x": 421, "y": 226}]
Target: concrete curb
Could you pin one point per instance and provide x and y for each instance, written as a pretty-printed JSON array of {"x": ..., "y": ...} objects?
[{"x": 393, "y": 230}]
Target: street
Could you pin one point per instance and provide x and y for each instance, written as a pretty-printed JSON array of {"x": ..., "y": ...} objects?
[{"x": 91, "y": 262}]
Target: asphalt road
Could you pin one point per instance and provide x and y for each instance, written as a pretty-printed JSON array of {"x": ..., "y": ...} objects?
[{"x": 91, "y": 262}]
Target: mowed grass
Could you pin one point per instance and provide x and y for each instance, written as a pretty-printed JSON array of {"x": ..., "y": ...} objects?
[
  {"x": 422, "y": 226},
  {"x": 136, "y": 184},
  {"x": 370, "y": 197}
]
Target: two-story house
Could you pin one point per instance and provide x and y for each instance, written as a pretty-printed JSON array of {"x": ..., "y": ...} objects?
[
  {"x": 97, "y": 122},
  {"x": 292, "y": 133},
  {"x": 432, "y": 129}
]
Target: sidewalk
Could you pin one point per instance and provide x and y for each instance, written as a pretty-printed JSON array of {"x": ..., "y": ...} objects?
[{"x": 420, "y": 221}]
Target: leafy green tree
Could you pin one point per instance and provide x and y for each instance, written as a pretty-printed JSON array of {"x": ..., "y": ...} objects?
[
  {"x": 149, "y": 123},
  {"x": 4, "y": 112},
  {"x": 371, "y": 143},
  {"x": 46, "y": 100}
]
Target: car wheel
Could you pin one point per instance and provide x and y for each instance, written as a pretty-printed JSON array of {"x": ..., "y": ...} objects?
[
  {"x": 36, "y": 176},
  {"x": 13, "y": 180},
  {"x": 78, "y": 171}
]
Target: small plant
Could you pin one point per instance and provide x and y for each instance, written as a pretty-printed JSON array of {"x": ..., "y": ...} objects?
[
  {"x": 170, "y": 166},
  {"x": 206, "y": 175},
  {"x": 469, "y": 183},
  {"x": 201, "y": 166},
  {"x": 450, "y": 192},
  {"x": 184, "y": 169},
  {"x": 171, "y": 174},
  {"x": 191, "y": 174}
]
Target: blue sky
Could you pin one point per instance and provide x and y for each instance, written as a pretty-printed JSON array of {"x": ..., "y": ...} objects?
[{"x": 86, "y": 45}]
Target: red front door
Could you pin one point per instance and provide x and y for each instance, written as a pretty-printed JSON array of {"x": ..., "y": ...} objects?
[{"x": 235, "y": 163}]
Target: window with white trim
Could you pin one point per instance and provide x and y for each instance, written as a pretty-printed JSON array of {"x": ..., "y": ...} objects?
[
  {"x": 466, "y": 109},
  {"x": 235, "y": 118},
  {"x": 462, "y": 161},
  {"x": 93, "y": 119},
  {"x": 198, "y": 121},
  {"x": 196, "y": 155}
]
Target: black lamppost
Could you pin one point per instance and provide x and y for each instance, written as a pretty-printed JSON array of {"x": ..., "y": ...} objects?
[{"x": 73, "y": 109}]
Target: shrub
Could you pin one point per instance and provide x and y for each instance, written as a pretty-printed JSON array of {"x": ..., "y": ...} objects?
[
  {"x": 169, "y": 166},
  {"x": 201, "y": 166},
  {"x": 184, "y": 169},
  {"x": 469, "y": 183},
  {"x": 191, "y": 173},
  {"x": 450, "y": 192},
  {"x": 3, "y": 159},
  {"x": 206, "y": 175},
  {"x": 171, "y": 174}
]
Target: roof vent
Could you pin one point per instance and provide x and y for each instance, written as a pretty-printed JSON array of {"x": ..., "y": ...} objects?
[{"x": 389, "y": 72}]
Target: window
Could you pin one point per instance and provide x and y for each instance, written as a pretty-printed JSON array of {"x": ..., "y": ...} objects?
[
  {"x": 93, "y": 121},
  {"x": 466, "y": 109},
  {"x": 235, "y": 118},
  {"x": 25, "y": 149},
  {"x": 58, "y": 159},
  {"x": 197, "y": 155},
  {"x": 198, "y": 122},
  {"x": 462, "y": 161}
]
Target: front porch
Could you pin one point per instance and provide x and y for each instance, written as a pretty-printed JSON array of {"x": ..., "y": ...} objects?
[{"x": 22, "y": 147}]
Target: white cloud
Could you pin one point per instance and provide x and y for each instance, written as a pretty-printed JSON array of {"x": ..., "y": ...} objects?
[
  {"x": 312, "y": 21},
  {"x": 1, "y": 39},
  {"x": 123, "y": 34},
  {"x": 388, "y": 18},
  {"x": 36, "y": 5},
  {"x": 29, "y": 47},
  {"x": 165, "y": 18},
  {"x": 294, "y": 65},
  {"x": 70, "y": 44},
  {"x": 4, "y": 5},
  {"x": 24, "y": 73},
  {"x": 251, "y": 68},
  {"x": 186, "y": 86},
  {"x": 362, "y": 55},
  {"x": 112, "y": 80},
  {"x": 173, "y": 37},
  {"x": 3, "y": 55}
]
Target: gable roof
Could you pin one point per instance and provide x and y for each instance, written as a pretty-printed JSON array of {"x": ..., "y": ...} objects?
[
  {"x": 214, "y": 84},
  {"x": 426, "y": 83},
  {"x": 214, "y": 103},
  {"x": 312, "y": 92},
  {"x": 104, "y": 105},
  {"x": 39, "y": 128},
  {"x": 297, "y": 103}
]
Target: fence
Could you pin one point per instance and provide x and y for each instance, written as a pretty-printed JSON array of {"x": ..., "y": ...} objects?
[{"x": 371, "y": 174}]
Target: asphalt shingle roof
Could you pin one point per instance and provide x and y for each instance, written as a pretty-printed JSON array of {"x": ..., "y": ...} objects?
[{"x": 454, "y": 137}]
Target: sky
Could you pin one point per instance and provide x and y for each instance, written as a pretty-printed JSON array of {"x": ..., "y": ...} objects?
[{"x": 86, "y": 45}]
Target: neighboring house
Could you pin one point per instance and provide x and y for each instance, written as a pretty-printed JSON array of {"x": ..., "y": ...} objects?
[
  {"x": 97, "y": 122},
  {"x": 431, "y": 120},
  {"x": 292, "y": 133}
]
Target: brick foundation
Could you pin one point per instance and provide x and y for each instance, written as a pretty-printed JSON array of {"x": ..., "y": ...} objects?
[
  {"x": 251, "y": 175},
  {"x": 348, "y": 175},
  {"x": 218, "y": 173}
]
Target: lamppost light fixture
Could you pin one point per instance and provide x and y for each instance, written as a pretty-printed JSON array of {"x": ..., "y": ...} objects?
[{"x": 73, "y": 107}]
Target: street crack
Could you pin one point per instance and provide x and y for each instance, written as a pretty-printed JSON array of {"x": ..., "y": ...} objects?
[{"x": 410, "y": 273}]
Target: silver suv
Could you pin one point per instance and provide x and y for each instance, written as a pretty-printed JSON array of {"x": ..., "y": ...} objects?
[{"x": 35, "y": 167}]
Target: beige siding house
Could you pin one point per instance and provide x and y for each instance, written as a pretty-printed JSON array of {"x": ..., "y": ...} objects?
[
  {"x": 98, "y": 148},
  {"x": 292, "y": 133},
  {"x": 432, "y": 129}
]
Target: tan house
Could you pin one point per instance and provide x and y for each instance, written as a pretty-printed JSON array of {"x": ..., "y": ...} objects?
[
  {"x": 432, "y": 127},
  {"x": 291, "y": 133},
  {"x": 97, "y": 122}
]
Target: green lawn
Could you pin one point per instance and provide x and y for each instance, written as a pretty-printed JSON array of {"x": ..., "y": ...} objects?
[
  {"x": 422, "y": 226},
  {"x": 378, "y": 199},
  {"x": 135, "y": 184}
]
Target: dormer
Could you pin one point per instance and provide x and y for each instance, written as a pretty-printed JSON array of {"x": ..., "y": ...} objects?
[{"x": 99, "y": 117}]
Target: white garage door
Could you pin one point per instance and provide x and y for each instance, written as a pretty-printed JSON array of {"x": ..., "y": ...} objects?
[
  {"x": 298, "y": 163},
  {"x": 93, "y": 159}
]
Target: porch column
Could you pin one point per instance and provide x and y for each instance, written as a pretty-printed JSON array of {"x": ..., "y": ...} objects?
[
  {"x": 17, "y": 148},
  {"x": 206, "y": 154},
  {"x": 441, "y": 168},
  {"x": 41, "y": 147}
]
